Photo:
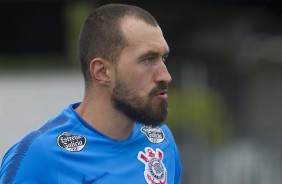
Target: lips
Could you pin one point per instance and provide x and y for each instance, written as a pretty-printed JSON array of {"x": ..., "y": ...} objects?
[
  {"x": 163, "y": 92},
  {"x": 162, "y": 95},
  {"x": 160, "y": 91}
]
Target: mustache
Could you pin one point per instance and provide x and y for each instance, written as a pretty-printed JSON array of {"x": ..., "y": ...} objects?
[{"x": 161, "y": 86}]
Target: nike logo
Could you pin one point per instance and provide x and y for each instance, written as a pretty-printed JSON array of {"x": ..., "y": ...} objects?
[{"x": 84, "y": 181}]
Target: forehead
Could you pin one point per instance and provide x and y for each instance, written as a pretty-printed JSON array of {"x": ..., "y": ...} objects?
[{"x": 139, "y": 33}]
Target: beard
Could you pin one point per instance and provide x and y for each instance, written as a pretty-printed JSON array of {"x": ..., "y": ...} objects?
[{"x": 145, "y": 110}]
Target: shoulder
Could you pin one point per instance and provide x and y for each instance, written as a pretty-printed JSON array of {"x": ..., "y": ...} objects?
[
  {"x": 166, "y": 129},
  {"x": 167, "y": 132},
  {"x": 32, "y": 151}
]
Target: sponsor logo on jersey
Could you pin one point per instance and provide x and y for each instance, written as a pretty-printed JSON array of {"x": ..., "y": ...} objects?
[
  {"x": 154, "y": 134},
  {"x": 71, "y": 142},
  {"x": 155, "y": 171}
]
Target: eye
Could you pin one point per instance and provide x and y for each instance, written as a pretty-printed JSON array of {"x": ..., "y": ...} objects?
[
  {"x": 164, "y": 58},
  {"x": 148, "y": 61}
]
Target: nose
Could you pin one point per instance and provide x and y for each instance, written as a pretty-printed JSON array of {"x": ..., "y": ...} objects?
[{"x": 162, "y": 74}]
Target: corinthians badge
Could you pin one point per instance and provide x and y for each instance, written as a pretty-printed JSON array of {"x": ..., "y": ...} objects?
[
  {"x": 154, "y": 134},
  {"x": 155, "y": 171},
  {"x": 71, "y": 142}
]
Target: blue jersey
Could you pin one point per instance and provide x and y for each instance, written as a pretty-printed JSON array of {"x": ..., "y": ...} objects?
[{"x": 67, "y": 149}]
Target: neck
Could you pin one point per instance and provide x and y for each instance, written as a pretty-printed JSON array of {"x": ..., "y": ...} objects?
[{"x": 99, "y": 113}]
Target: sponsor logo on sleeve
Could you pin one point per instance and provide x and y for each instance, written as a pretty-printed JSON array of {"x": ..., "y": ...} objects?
[
  {"x": 155, "y": 171},
  {"x": 154, "y": 134},
  {"x": 71, "y": 142}
]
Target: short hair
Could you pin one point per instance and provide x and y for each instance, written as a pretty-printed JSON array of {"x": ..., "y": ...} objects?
[{"x": 101, "y": 34}]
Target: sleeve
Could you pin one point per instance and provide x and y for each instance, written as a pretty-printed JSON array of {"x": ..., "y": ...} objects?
[
  {"x": 6, "y": 162},
  {"x": 26, "y": 162}
]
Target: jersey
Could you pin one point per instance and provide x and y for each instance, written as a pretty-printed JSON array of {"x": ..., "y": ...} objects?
[{"x": 66, "y": 149}]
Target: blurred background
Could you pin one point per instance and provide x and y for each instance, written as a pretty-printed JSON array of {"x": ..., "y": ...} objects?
[{"x": 225, "y": 105}]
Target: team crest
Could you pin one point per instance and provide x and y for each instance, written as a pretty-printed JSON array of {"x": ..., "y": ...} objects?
[
  {"x": 155, "y": 171},
  {"x": 154, "y": 134},
  {"x": 71, "y": 142}
]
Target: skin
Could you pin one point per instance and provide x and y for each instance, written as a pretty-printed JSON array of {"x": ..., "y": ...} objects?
[{"x": 140, "y": 67}]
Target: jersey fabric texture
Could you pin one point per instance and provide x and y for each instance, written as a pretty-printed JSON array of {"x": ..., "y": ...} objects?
[{"x": 66, "y": 149}]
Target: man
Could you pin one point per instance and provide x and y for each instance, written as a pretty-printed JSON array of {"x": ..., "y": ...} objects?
[{"x": 116, "y": 134}]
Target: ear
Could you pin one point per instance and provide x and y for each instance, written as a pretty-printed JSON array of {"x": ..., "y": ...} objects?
[{"x": 99, "y": 69}]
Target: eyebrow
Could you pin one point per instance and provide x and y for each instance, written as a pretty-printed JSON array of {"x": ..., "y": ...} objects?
[{"x": 153, "y": 53}]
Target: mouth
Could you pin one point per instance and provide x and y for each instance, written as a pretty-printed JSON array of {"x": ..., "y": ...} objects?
[{"x": 162, "y": 95}]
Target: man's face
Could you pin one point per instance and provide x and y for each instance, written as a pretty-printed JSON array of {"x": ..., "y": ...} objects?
[{"x": 142, "y": 79}]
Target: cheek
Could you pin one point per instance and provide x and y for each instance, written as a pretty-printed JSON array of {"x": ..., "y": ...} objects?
[
  {"x": 138, "y": 79},
  {"x": 138, "y": 86}
]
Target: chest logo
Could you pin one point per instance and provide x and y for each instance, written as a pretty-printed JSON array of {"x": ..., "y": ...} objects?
[
  {"x": 155, "y": 171},
  {"x": 154, "y": 134},
  {"x": 71, "y": 142}
]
